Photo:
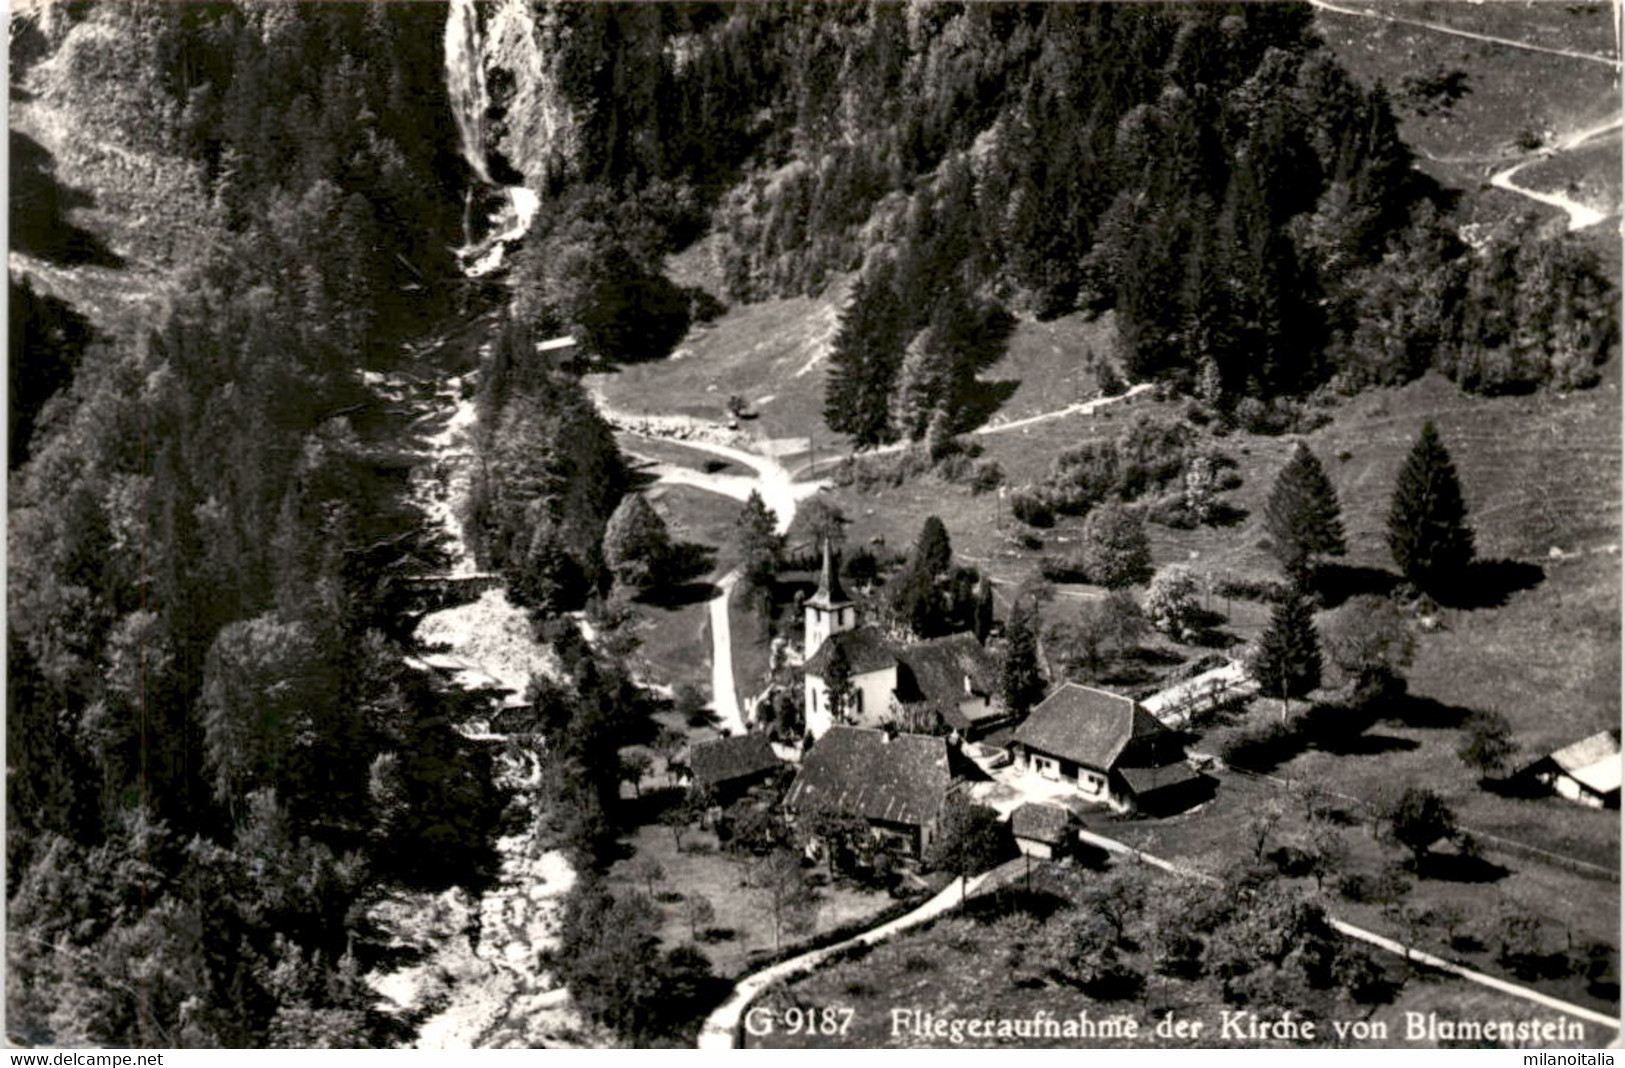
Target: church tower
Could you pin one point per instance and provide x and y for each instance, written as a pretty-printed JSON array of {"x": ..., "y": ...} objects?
[{"x": 829, "y": 611}]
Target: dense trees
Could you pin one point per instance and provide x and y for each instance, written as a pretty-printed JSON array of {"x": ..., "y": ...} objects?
[
  {"x": 1427, "y": 519},
  {"x": 211, "y": 734}
]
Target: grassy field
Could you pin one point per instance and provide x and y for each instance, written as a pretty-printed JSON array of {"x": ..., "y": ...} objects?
[
  {"x": 744, "y": 921},
  {"x": 967, "y": 966}
]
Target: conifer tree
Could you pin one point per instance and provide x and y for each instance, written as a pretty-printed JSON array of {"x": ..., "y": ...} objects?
[
  {"x": 1302, "y": 515},
  {"x": 1286, "y": 661},
  {"x": 1427, "y": 522},
  {"x": 838, "y": 682},
  {"x": 864, "y": 359},
  {"x": 982, "y": 620},
  {"x": 933, "y": 554},
  {"x": 756, "y": 535},
  {"x": 1020, "y": 682}
]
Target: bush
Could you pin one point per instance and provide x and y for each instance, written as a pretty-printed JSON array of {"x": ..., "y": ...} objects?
[
  {"x": 1262, "y": 747},
  {"x": 986, "y": 476},
  {"x": 1027, "y": 506}
]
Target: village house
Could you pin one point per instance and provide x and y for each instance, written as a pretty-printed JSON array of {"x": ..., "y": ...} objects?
[
  {"x": 945, "y": 683},
  {"x": 729, "y": 767},
  {"x": 1107, "y": 747},
  {"x": 1586, "y": 772},
  {"x": 897, "y": 783}
]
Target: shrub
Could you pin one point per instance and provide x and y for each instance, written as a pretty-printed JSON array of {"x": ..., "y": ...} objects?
[
  {"x": 1029, "y": 507},
  {"x": 986, "y": 476}
]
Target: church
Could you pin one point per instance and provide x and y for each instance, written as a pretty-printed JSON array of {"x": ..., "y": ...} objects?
[{"x": 945, "y": 684}]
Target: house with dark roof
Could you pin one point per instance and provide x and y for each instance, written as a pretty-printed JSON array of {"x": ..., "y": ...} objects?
[
  {"x": 730, "y": 766},
  {"x": 1106, "y": 746},
  {"x": 1047, "y": 831},
  {"x": 954, "y": 681},
  {"x": 1586, "y": 772},
  {"x": 897, "y": 783}
]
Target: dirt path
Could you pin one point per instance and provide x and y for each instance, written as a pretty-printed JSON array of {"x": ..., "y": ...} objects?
[
  {"x": 1580, "y": 215},
  {"x": 1508, "y": 42},
  {"x": 779, "y": 491}
]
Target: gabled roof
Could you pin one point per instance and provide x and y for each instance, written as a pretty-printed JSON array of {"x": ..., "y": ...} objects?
[
  {"x": 903, "y": 778},
  {"x": 726, "y": 759},
  {"x": 1086, "y": 726},
  {"x": 867, "y": 649},
  {"x": 1594, "y": 762},
  {"x": 937, "y": 670},
  {"x": 1041, "y": 823}
]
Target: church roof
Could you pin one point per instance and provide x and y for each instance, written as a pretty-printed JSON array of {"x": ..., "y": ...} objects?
[{"x": 866, "y": 648}]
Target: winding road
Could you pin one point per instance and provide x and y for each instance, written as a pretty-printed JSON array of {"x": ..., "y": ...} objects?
[{"x": 1580, "y": 215}]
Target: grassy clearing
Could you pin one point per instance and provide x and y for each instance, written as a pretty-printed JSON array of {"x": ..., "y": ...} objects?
[
  {"x": 1462, "y": 145},
  {"x": 675, "y": 630},
  {"x": 965, "y": 967},
  {"x": 744, "y": 921}
]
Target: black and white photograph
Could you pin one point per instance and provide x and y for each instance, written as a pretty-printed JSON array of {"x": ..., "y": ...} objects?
[{"x": 864, "y": 524}]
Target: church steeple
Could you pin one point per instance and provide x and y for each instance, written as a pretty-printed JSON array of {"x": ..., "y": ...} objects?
[
  {"x": 829, "y": 592},
  {"x": 829, "y": 611}
]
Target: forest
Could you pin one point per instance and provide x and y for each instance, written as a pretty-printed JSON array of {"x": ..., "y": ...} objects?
[{"x": 217, "y": 759}]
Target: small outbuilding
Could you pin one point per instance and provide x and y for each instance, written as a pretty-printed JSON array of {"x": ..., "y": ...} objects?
[
  {"x": 1586, "y": 772},
  {"x": 1046, "y": 831}
]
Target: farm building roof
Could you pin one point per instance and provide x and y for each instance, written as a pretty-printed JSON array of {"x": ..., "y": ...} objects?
[
  {"x": 867, "y": 649},
  {"x": 1142, "y": 781},
  {"x": 1086, "y": 726},
  {"x": 903, "y": 778},
  {"x": 1593, "y": 762},
  {"x": 1041, "y": 823},
  {"x": 938, "y": 670},
  {"x": 726, "y": 759}
]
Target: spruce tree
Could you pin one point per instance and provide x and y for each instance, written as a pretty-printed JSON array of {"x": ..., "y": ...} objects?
[
  {"x": 933, "y": 554},
  {"x": 864, "y": 359},
  {"x": 1302, "y": 515},
  {"x": 757, "y": 539},
  {"x": 1286, "y": 660},
  {"x": 1427, "y": 522},
  {"x": 1020, "y": 682}
]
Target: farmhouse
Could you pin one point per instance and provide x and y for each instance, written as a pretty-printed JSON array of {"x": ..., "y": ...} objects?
[
  {"x": 730, "y": 766},
  {"x": 898, "y": 783},
  {"x": 1587, "y": 772},
  {"x": 1105, "y": 745}
]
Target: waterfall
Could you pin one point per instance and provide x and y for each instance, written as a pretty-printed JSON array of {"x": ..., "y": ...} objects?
[
  {"x": 470, "y": 100},
  {"x": 465, "y": 83}
]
